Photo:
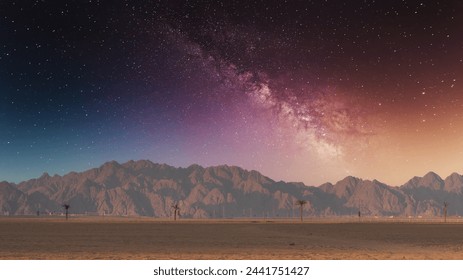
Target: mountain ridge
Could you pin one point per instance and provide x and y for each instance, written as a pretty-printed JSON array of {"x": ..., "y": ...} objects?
[{"x": 144, "y": 188}]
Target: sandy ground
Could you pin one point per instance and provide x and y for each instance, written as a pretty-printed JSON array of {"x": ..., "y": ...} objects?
[{"x": 138, "y": 238}]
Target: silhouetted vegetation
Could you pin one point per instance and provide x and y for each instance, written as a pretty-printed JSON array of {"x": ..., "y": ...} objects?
[
  {"x": 176, "y": 211},
  {"x": 445, "y": 211},
  {"x": 66, "y": 209},
  {"x": 301, "y": 204}
]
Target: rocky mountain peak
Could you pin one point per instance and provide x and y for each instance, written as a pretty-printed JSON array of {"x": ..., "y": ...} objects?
[{"x": 454, "y": 183}]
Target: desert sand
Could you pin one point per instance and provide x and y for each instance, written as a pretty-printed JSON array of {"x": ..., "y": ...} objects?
[{"x": 145, "y": 238}]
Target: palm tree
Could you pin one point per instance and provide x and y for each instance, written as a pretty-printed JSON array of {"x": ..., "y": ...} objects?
[
  {"x": 66, "y": 209},
  {"x": 301, "y": 204},
  {"x": 176, "y": 211},
  {"x": 445, "y": 211}
]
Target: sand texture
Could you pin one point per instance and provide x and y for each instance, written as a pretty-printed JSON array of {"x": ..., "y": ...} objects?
[{"x": 136, "y": 238}]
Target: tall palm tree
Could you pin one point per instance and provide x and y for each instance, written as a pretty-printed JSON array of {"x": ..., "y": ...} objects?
[
  {"x": 445, "y": 211},
  {"x": 176, "y": 211},
  {"x": 66, "y": 209},
  {"x": 301, "y": 204}
]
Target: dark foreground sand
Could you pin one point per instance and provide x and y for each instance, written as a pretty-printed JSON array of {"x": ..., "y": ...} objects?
[{"x": 119, "y": 238}]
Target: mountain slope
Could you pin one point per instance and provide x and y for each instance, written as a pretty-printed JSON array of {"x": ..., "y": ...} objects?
[{"x": 150, "y": 189}]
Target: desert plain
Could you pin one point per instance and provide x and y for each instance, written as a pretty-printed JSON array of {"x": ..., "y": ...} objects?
[{"x": 146, "y": 238}]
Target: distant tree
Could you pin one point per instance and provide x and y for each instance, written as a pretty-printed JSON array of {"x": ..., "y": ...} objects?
[
  {"x": 445, "y": 211},
  {"x": 176, "y": 211},
  {"x": 301, "y": 204},
  {"x": 66, "y": 209}
]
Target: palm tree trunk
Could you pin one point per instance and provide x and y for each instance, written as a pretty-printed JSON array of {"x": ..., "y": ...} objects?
[{"x": 301, "y": 212}]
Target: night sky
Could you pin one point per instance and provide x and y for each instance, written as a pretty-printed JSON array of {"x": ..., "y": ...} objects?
[{"x": 307, "y": 91}]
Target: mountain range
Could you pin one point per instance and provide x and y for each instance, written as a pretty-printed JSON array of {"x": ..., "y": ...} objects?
[{"x": 144, "y": 188}]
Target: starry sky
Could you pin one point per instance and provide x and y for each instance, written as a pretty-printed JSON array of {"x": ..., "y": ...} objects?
[{"x": 308, "y": 91}]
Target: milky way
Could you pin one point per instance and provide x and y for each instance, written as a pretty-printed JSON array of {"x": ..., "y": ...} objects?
[{"x": 306, "y": 91}]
